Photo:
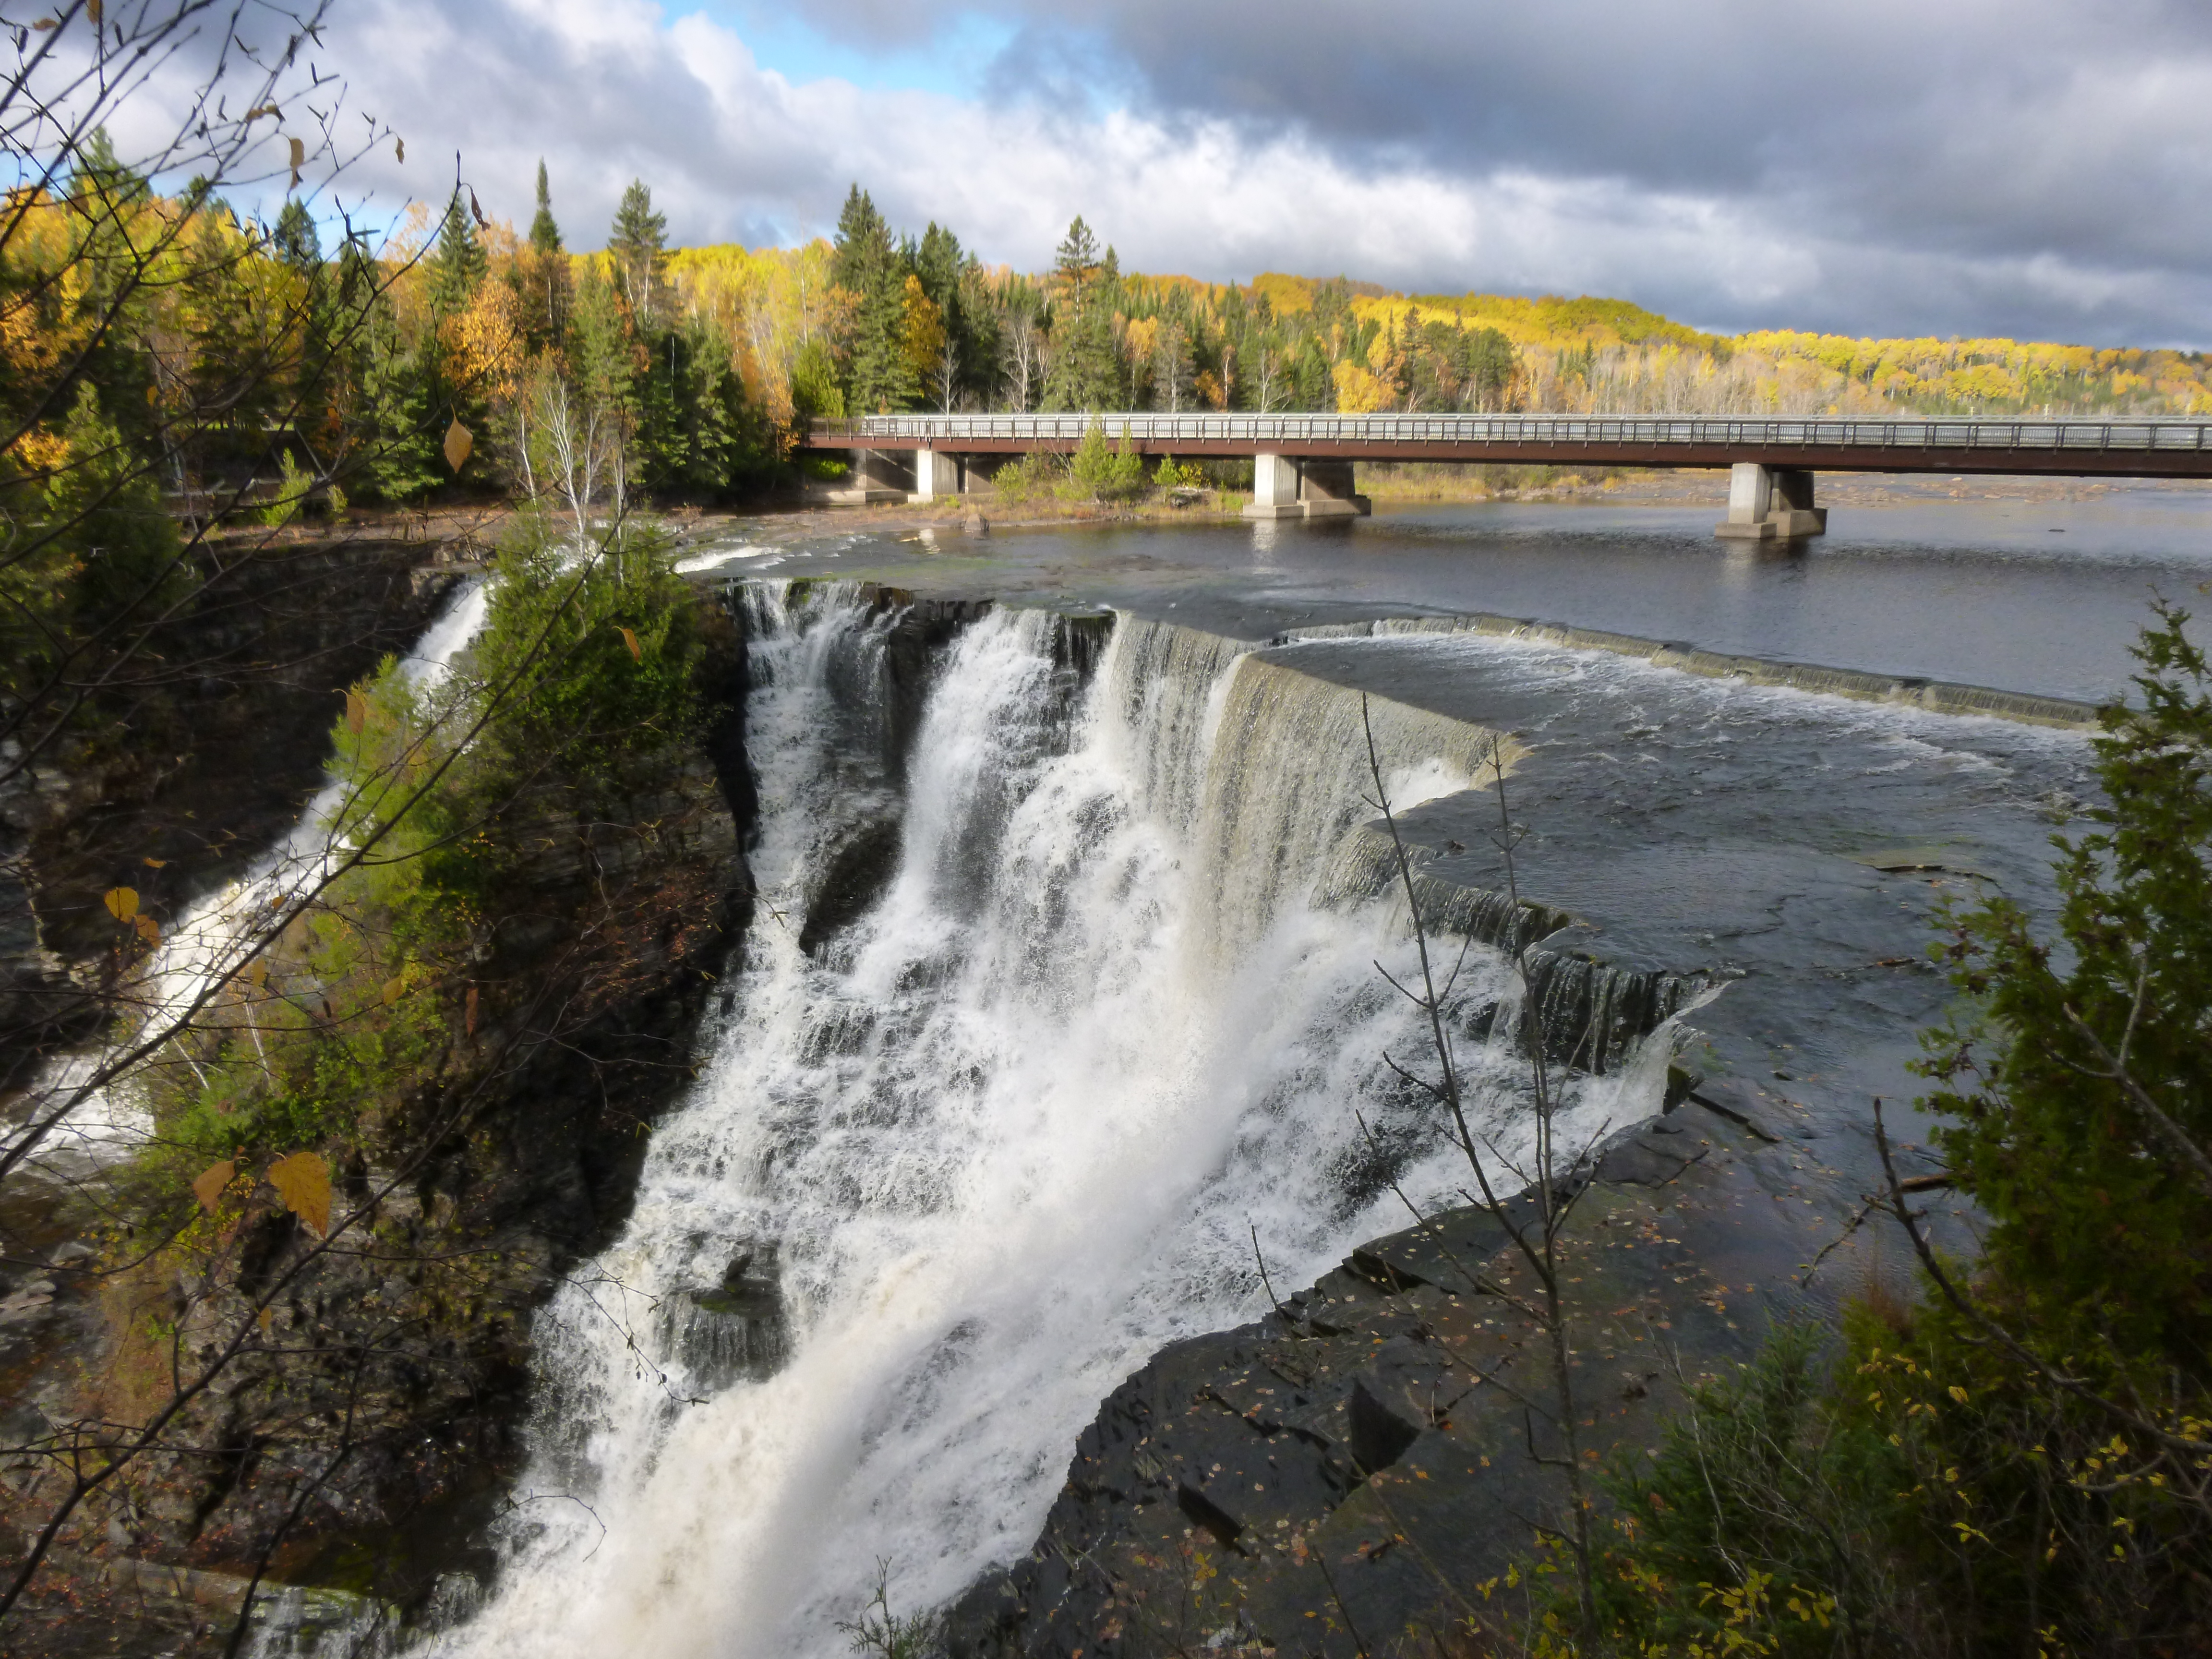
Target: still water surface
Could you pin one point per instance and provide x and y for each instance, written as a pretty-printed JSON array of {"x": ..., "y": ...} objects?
[{"x": 2031, "y": 596}]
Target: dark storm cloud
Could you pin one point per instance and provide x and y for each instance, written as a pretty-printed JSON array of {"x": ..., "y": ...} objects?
[{"x": 2027, "y": 168}]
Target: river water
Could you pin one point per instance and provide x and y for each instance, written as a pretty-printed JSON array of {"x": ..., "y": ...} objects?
[{"x": 959, "y": 1162}]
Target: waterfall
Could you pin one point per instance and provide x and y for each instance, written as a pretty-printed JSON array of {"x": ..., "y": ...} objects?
[
  {"x": 956, "y": 1165},
  {"x": 206, "y": 943}
]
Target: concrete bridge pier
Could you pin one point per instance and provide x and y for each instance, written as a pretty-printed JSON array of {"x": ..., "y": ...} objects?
[
  {"x": 1770, "y": 504},
  {"x": 937, "y": 473},
  {"x": 1285, "y": 488},
  {"x": 877, "y": 476}
]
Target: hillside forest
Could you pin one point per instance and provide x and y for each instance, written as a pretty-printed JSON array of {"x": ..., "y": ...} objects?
[{"x": 252, "y": 355}]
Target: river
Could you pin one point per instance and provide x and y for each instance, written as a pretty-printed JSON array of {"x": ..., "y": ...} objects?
[{"x": 969, "y": 1150}]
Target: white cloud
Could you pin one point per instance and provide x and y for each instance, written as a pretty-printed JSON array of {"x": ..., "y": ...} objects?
[{"x": 607, "y": 90}]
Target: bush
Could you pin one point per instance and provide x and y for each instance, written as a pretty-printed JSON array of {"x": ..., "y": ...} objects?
[
  {"x": 1106, "y": 474},
  {"x": 291, "y": 492}
]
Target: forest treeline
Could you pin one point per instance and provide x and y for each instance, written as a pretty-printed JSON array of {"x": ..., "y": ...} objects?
[{"x": 258, "y": 354}]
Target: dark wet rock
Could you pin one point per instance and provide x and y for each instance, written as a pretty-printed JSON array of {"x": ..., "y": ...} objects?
[
  {"x": 1376, "y": 1425},
  {"x": 736, "y": 1330},
  {"x": 854, "y": 877}
]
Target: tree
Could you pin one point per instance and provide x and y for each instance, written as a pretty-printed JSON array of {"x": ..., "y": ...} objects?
[
  {"x": 541, "y": 274},
  {"x": 544, "y": 233},
  {"x": 296, "y": 241},
  {"x": 638, "y": 243},
  {"x": 458, "y": 264},
  {"x": 1086, "y": 370}
]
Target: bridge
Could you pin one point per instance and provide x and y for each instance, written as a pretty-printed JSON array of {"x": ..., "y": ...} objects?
[{"x": 1302, "y": 464}]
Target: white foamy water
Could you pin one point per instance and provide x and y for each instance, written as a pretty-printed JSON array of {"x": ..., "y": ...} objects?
[
  {"x": 1004, "y": 1134},
  {"x": 206, "y": 944}
]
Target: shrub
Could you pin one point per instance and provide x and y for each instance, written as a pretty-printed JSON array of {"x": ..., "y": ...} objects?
[{"x": 291, "y": 492}]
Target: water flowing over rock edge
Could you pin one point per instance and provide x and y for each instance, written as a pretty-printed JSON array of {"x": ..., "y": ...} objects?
[{"x": 1939, "y": 697}]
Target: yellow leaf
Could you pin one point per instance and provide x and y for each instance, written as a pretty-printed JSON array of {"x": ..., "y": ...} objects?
[
  {"x": 45, "y": 23},
  {"x": 459, "y": 442},
  {"x": 256, "y": 971},
  {"x": 398, "y": 147},
  {"x": 148, "y": 929},
  {"x": 394, "y": 988},
  {"x": 630, "y": 639},
  {"x": 303, "y": 1182},
  {"x": 156, "y": 864},
  {"x": 122, "y": 902},
  {"x": 208, "y": 1186},
  {"x": 469, "y": 1012},
  {"x": 267, "y": 1314},
  {"x": 298, "y": 154},
  {"x": 92, "y": 10},
  {"x": 357, "y": 712},
  {"x": 260, "y": 110}
]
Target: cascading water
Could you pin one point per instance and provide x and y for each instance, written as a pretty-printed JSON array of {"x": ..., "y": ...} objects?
[
  {"x": 206, "y": 943},
  {"x": 952, "y": 1174}
]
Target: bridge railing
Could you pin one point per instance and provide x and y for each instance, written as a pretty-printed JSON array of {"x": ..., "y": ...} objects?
[{"x": 1290, "y": 431}]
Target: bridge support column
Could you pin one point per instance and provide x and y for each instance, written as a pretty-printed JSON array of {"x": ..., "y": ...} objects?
[
  {"x": 877, "y": 476},
  {"x": 936, "y": 473},
  {"x": 1326, "y": 492},
  {"x": 1285, "y": 488},
  {"x": 1770, "y": 504}
]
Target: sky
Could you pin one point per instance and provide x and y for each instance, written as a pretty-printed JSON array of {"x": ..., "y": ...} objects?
[{"x": 2021, "y": 167}]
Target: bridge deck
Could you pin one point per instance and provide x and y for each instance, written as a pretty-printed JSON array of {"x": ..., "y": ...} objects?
[{"x": 2165, "y": 448}]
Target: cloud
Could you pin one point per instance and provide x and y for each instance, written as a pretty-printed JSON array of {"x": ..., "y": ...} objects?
[{"x": 2022, "y": 167}]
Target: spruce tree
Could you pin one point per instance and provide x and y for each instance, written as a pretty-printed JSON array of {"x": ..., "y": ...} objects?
[
  {"x": 863, "y": 244},
  {"x": 639, "y": 243},
  {"x": 541, "y": 274},
  {"x": 295, "y": 239},
  {"x": 880, "y": 377},
  {"x": 459, "y": 262},
  {"x": 545, "y": 235}
]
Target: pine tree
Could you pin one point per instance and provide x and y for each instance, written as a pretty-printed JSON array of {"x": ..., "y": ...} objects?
[
  {"x": 1075, "y": 263},
  {"x": 639, "y": 245}
]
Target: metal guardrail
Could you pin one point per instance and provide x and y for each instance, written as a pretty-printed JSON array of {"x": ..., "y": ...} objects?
[{"x": 2162, "y": 435}]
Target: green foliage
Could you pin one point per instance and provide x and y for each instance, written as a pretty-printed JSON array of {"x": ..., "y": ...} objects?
[
  {"x": 458, "y": 265},
  {"x": 1107, "y": 474},
  {"x": 544, "y": 233},
  {"x": 2102, "y": 1227},
  {"x": 552, "y": 723},
  {"x": 291, "y": 495},
  {"x": 638, "y": 243},
  {"x": 814, "y": 393},
  {"x": 1173, "y": 477},
  {"x": 1761, "y": 1525},
  {"x": 883, "y": 1634},
  {"x": 99, "y": 548}
]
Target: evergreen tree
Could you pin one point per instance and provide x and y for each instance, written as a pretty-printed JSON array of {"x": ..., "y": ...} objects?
[
  {"x": 545, "y": 235},
  {"x": 1086, "y": 370},
  {"x": 389, "y": 428},
  {"x": 863, "y": 244},
  {"x": 639, "y": 245},
  {"x": 880, "y": 374},
  {"x": 296, "y": 241},
  {"x": 457, "y": 265},
  {"x": 541, "y": 274}
]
